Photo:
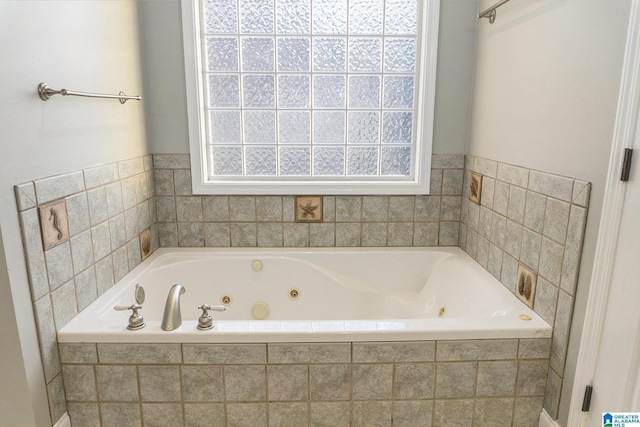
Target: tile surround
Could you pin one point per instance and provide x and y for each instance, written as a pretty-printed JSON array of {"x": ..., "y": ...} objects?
[
  {"x": 109, "y": 205},
  {"x": 544, "y": 217},
  {"x": 270, "y": 221},
  {"x": 381, "y": 383}
]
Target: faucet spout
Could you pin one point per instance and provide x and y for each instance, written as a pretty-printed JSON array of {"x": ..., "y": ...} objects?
[{"x": 172, "y": 318}]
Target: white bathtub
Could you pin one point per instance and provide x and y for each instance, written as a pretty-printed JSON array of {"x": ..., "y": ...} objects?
[{"x": 361, "y": 294}]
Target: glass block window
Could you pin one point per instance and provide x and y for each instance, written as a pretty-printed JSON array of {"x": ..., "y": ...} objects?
[{"x": 316, "y": 94}]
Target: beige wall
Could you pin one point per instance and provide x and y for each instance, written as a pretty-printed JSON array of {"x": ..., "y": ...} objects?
[
  {"x": 84, "y": 46},
  {"x": 545, "y": 93}
]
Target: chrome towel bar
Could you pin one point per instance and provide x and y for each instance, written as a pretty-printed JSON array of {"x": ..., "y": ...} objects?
[
  {"x": 490, "y": 13},
  {"x": 46, "y": 92}
]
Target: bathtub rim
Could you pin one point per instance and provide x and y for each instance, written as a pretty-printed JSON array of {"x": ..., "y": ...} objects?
[{"x": 81, "y": 330}]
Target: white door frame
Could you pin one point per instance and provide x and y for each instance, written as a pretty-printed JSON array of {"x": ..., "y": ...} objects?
[{"x": 626, "y": 127}]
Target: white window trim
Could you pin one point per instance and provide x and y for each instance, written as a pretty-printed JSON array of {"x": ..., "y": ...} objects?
[{"x": 424, "y": 120}]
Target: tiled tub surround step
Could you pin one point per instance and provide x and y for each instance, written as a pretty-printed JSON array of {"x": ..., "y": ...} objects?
[
  {"x": 488, "y": 382},
  {"x": 536, "y": 219}
]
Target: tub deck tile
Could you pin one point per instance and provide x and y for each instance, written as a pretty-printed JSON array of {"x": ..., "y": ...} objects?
[
  {"x": 534, "y": 348},
  {"x": 374, "y": 352},
  {"x": 78, "y": 353},
  {"x": 309, "y": 353},
  {"x": 140, "y": 353},
  {"x": 477, "y": 350},
  {"x": 224, "y": 353}
]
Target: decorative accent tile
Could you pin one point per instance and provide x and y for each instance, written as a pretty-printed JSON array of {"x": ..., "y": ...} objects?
[
  {"x": 53, "y": 224},
  {"x": 309, "y": 209},
  {"x": 526, "y": 285},
  {"x": 145, "y": 244},
  {"x": 475, "y": 189}
]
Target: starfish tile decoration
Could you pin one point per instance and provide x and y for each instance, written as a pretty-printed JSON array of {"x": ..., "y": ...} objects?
[{"x": 309, "y": 209}]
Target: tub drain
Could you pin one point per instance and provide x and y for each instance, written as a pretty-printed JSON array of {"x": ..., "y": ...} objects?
[{"x": 442, "y": 311}]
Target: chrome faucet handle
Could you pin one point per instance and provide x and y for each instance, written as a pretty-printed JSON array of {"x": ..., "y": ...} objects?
[
  {"x": 136, "y": 321},
  {"x": 206, "y": 321}
]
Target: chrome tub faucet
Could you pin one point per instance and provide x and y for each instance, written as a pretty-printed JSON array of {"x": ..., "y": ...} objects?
[{"x": 172, "y": 318}]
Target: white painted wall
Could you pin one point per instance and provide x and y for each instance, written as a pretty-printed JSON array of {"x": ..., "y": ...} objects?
[
  {"x": 78, "y": 45},
  {"x": 163, "y": 57},
  {"x": 545, "y": 94}
]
